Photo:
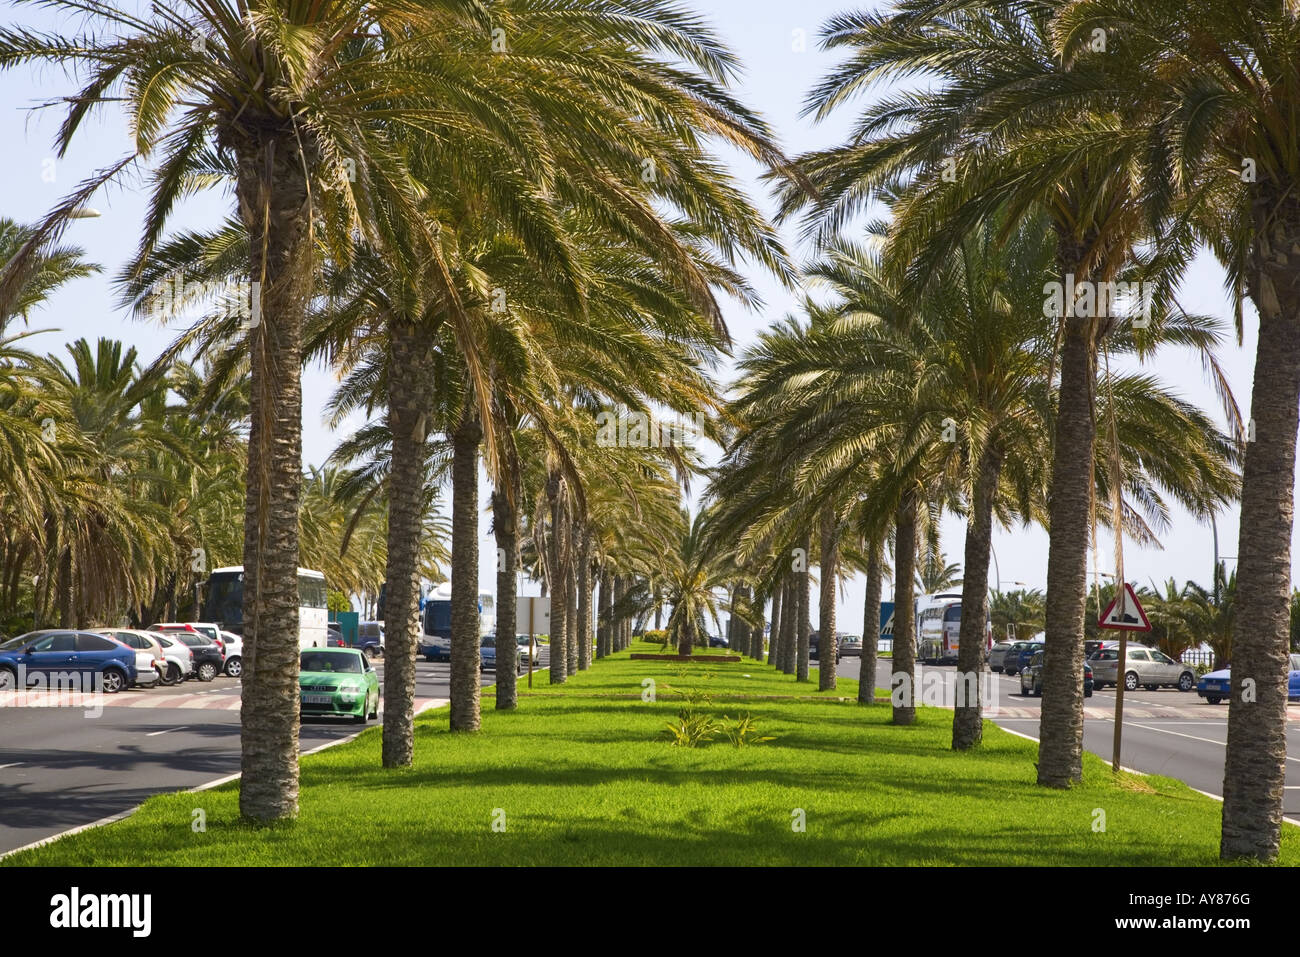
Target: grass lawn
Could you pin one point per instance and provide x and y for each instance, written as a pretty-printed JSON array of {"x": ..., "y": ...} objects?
[{"x": 580, "y": 774}]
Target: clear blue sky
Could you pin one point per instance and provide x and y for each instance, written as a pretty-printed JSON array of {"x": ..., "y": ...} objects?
[{"x": 779, "y": 70}]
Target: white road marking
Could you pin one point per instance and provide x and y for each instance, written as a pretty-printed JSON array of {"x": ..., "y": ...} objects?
[
  {"x": 16, "y": 764},
  {"x": 1222, "y": 744},
  {"x": 154, "y": 734}
]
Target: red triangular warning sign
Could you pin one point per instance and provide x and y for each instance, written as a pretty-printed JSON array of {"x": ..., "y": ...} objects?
[{"x": 1125, "y": 612}]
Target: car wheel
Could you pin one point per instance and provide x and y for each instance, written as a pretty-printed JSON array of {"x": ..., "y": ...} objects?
[
  {"x": 372, "y": 652},
  {"x": 1131, "y": 681},
  {"x": 206, "y": 671},
  {"x": 234, "y": 667},
  {"x": 1213, "y": 699},
  {"x": 8, "y": 679},
  {"x": 1087, "y": 694},
  {"x": 1186, "y": 681},
  {"x": 374, "y": 712},
  {"x": 114, "y": 681}
]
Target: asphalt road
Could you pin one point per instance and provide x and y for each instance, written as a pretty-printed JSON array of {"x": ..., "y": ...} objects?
[
  {"x": 1166, "y": 732},
  {"x": 62, "y": 767}
]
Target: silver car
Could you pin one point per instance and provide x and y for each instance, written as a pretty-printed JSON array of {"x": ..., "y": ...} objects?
[
  {"x": 1147, "y": 667},
  {"x": 996, "y": 653}
]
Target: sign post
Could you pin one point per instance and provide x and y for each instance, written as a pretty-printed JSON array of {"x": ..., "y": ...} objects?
[{"x": 1123, "y": 614}]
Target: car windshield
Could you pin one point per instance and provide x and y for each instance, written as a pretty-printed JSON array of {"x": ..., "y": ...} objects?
[
  {"x": 1295, "y": 662},
  {"x": 14, "y": 643},
  {"x": 488, "y": 642},
  {"x": 331, "y": 662}
]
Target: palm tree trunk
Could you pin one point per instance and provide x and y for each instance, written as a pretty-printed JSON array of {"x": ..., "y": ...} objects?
[
  {"x": 968, "y": 717},
  {"x": 790, "y": 626},
  {"x": 276, "y": 210},
  {"x": 465, "y": 654},
  {"x": 1060, "y": 749},
  {"x": 410, "y": 407},
  {"x": 603, "y": 615},
  {"x": 826, "y": 642},
  {"x": 505, "y": 525},
  {"x": 559, "y": 590},
  {"x": 774, "y": 644},
  {"x": 904, "y": 657},
  {"x": 571, "y": 583},
  {"x": 870, "y": 626},
  {"x": 803, "y": 584},
  {"x": 584, "y": 598},
  {"x": 67, "y": 614},
  {"x": 625, "y": 616},
  {"x": 1254, "y": 772}
]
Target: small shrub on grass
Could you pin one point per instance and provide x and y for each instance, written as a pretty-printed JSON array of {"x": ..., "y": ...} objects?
[
  {"x": 691, "y": 729},
  {"x": 742, "y": 730}
]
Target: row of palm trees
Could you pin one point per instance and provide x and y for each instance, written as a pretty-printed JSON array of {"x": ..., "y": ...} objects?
[
  {"x": 493, "y": 220},
  {"x": 1028, "y": 144},
  {"x": 496, "y": 220}
]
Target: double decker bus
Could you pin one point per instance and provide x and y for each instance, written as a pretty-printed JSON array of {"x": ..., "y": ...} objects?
[{"x": 224, "y": 604}]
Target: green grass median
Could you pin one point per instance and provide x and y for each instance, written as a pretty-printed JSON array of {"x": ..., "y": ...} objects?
[{"x": 583, "y": 774}]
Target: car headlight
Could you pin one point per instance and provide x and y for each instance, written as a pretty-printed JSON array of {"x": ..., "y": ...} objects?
[{"x": 350, "y": 692}]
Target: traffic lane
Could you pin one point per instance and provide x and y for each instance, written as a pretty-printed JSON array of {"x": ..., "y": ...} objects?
[
  {"x": 60, "y": 769},
  {"x": 1189, "y": 750},
  {"x": 1190, "y": 747}
]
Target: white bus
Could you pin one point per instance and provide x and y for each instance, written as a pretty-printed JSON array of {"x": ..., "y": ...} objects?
[
  {"x": 225, "y": 604},
  {"x": 938, "y": 628}
]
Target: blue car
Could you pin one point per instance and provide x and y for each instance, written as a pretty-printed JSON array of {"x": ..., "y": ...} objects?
[
  {"x": 1016, "y": 658},
  {"x": 1217, "y": 685},
  {"x": 487, "y": 654},
  {"x": 59, "y": 658}
]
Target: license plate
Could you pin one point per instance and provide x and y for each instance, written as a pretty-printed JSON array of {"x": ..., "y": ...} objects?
[{"x": 317, "y": 699}]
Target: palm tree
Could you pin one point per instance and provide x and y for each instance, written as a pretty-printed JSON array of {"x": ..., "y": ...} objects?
[
  {"x": 694, "y": 577},
  {"x": 1012, "y": 612},
  {"x": 1213, "y": 81},
  {"x": 1011, "y": 118},
  {"x": 937, "y": 574}
]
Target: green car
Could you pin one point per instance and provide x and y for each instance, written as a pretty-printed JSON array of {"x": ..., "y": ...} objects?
[{"x": 338, "y": 681}]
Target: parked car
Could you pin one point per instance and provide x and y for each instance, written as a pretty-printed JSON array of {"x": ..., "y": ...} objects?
[
  {"x": 179, "y": 658},
  {"x": 338, "y": 681},
  {"x": 209, "y": 658},
  {"x": 370, "y": 638},
  {"x": 234, "y": 653},
  {"x": 487, "y": 654},
  {"x": 1149, "y": 667},
  {"x": 996, "y": 654},
  {"x": 1217, "y": 685},
  {"x": 1015, "y": 658},
  {"x": 1031, "y": 677},
  {"x": 812, "y": 649},
  {"x": 523, "y": 641},
  {"x": 203, "y": 629},
  {"x": 150, "y": 663},
  {"x": 334, "y": 635},
  {"x": 99, "y": 662},
  {"x": 719, "y": 641},
  {"x": 850, "y": 645}
]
